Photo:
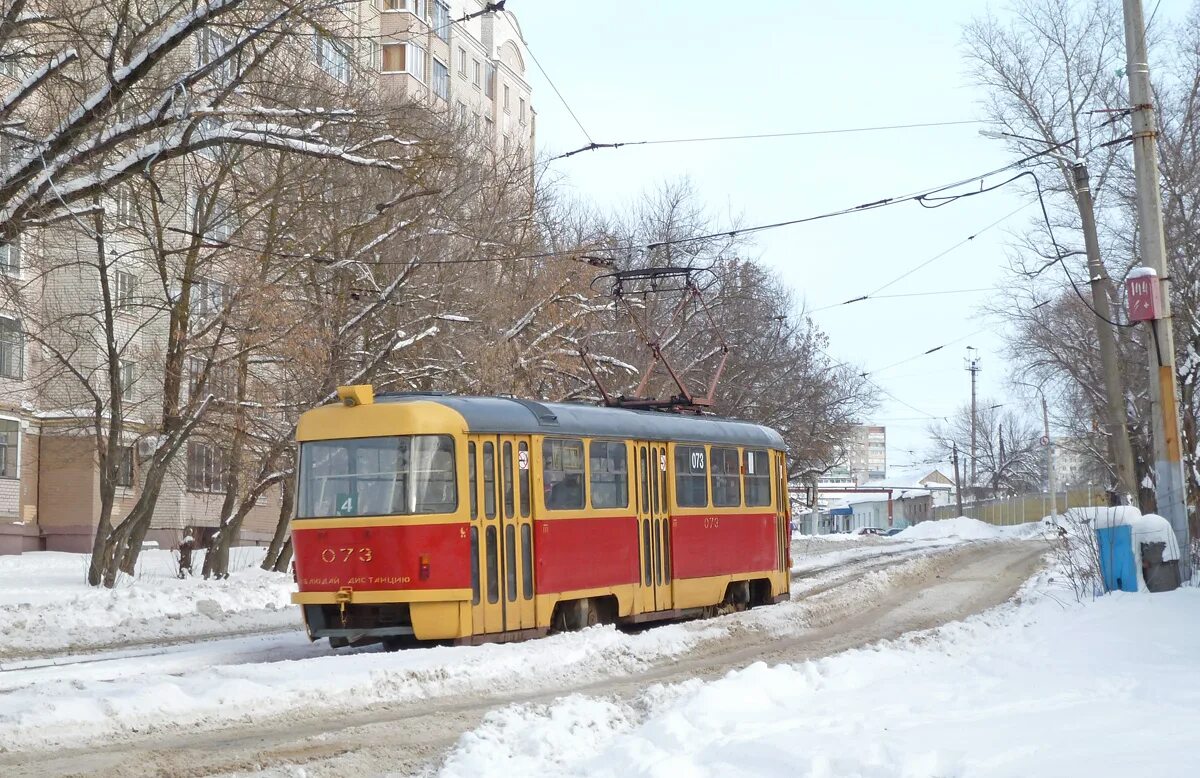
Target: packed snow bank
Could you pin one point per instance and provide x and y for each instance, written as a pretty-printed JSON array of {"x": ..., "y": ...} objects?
[
  {"x": 46, "y": 605},
  {"x": 833, "y": 537},
  {"x": 1022, "y": 690},
  {"x": 964, "y": 528},
  {"x": 104, "y": 702}
]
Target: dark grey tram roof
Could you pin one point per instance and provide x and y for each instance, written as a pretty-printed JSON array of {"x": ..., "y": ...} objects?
[{"x": 502, "y": 415}]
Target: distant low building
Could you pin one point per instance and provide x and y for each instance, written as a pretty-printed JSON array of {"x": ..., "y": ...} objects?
[{"x": 908, "y": 507}]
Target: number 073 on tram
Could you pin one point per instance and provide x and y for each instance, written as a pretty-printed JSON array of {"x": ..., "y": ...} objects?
[{"x": 423, "y": 517}]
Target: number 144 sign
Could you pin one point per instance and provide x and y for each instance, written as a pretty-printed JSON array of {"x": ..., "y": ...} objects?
[{"x": 1143, "y": 294}]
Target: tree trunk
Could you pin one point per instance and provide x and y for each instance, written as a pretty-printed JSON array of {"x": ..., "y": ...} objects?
[
  {"x": 281, "y": 527},
  {"x": 285, "y": 556}
]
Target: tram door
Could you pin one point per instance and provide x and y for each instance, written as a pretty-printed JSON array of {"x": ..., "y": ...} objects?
[
  {"x": 517, "y": 523},
  {"x": 486, "y": 535},
  {"x": 501, "y": 533},
  {"x": 653, "y": 526}
]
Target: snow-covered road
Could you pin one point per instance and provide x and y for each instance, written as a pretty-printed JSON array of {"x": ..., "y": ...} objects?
[{"x": 218, "y": 706}]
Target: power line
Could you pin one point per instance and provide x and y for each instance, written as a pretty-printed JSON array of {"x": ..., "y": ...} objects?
[
  {"x": 592, "y": 146},
  {"x": 875, "y": 296},
  {"x": 925, "y": 353},
  {"x": 549, "y": 80}
]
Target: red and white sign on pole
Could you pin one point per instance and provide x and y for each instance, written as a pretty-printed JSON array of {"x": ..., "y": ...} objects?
[{"x": 1142, "y": 294}]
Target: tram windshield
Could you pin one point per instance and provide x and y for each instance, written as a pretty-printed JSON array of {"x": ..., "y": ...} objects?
[{"x": 397, "y": 475}]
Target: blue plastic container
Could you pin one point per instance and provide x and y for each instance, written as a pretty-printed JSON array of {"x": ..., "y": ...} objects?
[{"x": 1117, "y": 565}]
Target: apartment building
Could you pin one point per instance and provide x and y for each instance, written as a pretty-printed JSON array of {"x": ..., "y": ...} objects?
[
  {"x": 472, "y": 71},
  {"x": 866, "y": 459}
]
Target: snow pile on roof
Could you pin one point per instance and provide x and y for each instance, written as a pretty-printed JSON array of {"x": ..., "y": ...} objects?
[
  {"x": 1023, "y": 690},
  {"x": 45, "y": 594},
  {"x": 965, "y": 528},
  {"x": 897, "y": 494}
]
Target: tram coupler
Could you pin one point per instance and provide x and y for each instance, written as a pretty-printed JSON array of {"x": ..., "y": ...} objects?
[{"x": 342, "y": 598}]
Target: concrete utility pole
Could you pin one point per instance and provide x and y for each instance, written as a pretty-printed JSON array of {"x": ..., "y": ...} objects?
[
  {"x": 972, "y": 363},
  {"x": 1050, "y": 480},
  {"x": 957, "y": 484},
  {"x": 1170, "y": 491},
  {"x": 1115, "y": 417}
]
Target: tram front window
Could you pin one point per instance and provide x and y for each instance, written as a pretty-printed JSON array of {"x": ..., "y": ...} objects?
[{"x": 397, "y": 475}]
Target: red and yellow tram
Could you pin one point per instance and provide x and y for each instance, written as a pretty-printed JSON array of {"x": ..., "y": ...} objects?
[{"x": 472, "y": 519}]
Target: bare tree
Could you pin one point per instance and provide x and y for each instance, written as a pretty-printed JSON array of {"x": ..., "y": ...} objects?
[
  {"x": 1007, "y": 448},
  {"x": 1049, "y": 71}
]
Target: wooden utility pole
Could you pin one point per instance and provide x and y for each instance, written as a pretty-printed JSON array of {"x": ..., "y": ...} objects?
[
  {"x": 1119, "y": 448},
  {"x": 1170, "y": 492}
]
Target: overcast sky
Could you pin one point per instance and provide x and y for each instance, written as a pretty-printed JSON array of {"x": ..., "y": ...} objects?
[{"x": 645, "y": 69}]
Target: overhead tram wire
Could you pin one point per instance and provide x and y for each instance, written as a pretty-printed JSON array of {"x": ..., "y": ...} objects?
[
  {"x": 592, "y": 146},
  {"x": 875, "y": 294},
  {"x": 925, "y": 353},
  {"x": 918, "y": 195}
]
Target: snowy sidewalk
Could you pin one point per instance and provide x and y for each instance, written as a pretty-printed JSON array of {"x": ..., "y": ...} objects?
[
  {"x": 46, "y": 608},
  {"x": 1045, "y": 687}
]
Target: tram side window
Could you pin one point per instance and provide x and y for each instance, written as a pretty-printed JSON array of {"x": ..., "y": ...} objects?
[
  {"x": 562, "y": 473},
  {"x": 609, "y": 474},
  {"x": 726, "y": 480},
  {"x": 691, "y": 477},
  {"x": 758, "y": 478},
  {"x": 473, "y": 487},
  {"x": 489, "y": 480}
]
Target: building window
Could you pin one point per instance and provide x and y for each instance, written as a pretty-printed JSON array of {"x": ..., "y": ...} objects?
[
  {"x": 207, "y": 298},
  {"x": 393, "y": 57},
  {"x": 10, "y": 258},
  {"x": 220, "y": 380},
  {"x": 462, "y": 61},
  {"x": 126, "y": 376},
  {"x": 462, "y": 114},
  {"x": 415, "y": 6},
  {"x": 475, "y": 73},
  {"x": 125, "y": 466},
  {"x": 507, "y": 94},
  {"x": 726, "y": 478},
  {"x": 124, "y": 287},
  {"x": 441, "y": 20},
  {"x": 11, "y": 350},
  {"x": 758, "y": 479},
  {"x": 213, "y": 219},
  {"x": 521, "y": 104},
  {"x": 332, "y": 56},
  {"x": 10, "y": 435},
  {"x": 609, "y": 474},
  {"x": 122, "y": 210},
  {"x": 691, "y": 477},
  {"x": 210, "y": 47},
  {"x": 205, "y": 468},
  {"x": 562, "y": 473},
  {"x": 489, "y": 81},
  {"x": 441, "y": 80},
  {"x": 404, "y": 58}
]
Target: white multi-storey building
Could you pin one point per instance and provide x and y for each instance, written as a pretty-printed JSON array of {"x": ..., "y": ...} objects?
[{"x": 471, "y": 70}]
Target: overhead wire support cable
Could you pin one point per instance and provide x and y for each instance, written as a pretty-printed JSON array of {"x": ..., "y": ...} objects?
[
  {"x": 550, "y": 81},
  {"x": 592, "y": 146}
]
